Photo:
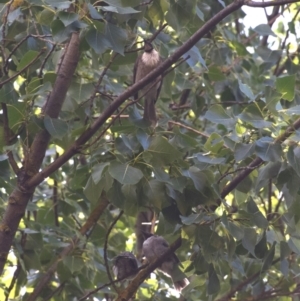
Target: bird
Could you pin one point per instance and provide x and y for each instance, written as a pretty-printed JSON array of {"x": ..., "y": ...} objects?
[
  {"x": 153, "y": 247},
  {"x": 125, "y": 266},
  {"x": 144, "y": 64}
]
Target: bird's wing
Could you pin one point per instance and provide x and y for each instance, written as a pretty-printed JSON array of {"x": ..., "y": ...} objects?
[
  {"x": 160, "y": 82},
  {"x": 135, "y": 96}
]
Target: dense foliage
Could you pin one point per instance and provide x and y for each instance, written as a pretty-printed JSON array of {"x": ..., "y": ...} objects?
[{"x": 221, "y": 170}]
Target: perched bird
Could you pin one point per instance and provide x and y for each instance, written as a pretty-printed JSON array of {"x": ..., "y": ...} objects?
[
  {"x": 144, "y": 64},
  {"x": 155, "y": 246},
  {"x": 125, "y": 266}
]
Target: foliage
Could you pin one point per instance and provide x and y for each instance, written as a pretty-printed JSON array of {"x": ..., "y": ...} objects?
[{"x": 221, "y": 170}]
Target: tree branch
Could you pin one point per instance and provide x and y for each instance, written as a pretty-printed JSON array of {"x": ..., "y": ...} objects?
[
  {"x": 257, "y": 161},
  {"x": 130, "y": 290},
  {"x": 38, "y": 178},
  {"x": 92, "y": 219},
  {"x": 105, "y": 249},
  {"x": 20, "y": 196},
  {"x": 269, "y": 3}
]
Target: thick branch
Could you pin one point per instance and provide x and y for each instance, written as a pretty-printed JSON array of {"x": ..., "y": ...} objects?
[
  {"x": 269, "y": 3},
  {"x": 19, "y": 198},
  {"x": 93, "y": 218},
  {"x": 143, "y": 274},
  {"x": 38, "y": 178},
  {"x": 257, "y": 161}
]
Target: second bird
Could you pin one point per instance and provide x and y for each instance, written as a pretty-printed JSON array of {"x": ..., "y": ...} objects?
[{"x": 144, "y": 64}]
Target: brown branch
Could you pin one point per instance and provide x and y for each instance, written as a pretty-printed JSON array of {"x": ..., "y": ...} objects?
[
  {"x": 45, "y": 60},
  {"x": 271, "y": 20},
  {"x": 55, "y": 200},
  {"x": 130, "y": 290},
  {"x": 23, "y": 69},
  {"x": 161, "y": 28},
  {"x": 13, "y": 281},
  {"x": 7, "y": 138},
  {"x": 110, "y": 283},
  {"x": 20, "y": 196},
  {"x": 240, "y": 286},
  {"x": 92, "y": 219},
  {"x": 97, "y": 86},
  {"x": 4, "y": 18},
  {"x": 38, "y": 178},
  {"x": 276, "y": 71},
  {"x": 258, "y": 161},
  {"x": 188, "y": 128},
  {"x": 268, "y": 3}
]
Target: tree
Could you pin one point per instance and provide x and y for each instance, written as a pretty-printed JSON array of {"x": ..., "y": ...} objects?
[{"x": 79, "y": 171}]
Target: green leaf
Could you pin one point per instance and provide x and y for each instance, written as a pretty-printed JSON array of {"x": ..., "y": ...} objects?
[
  {"x": 294, "y": 244},
  {"x": 214, "y": 143},
  {"x": 253, "y": 115},
  {"x": 27, "y": 58},
  {"x": 269, "y": 258},
  {"x": 97, "y": 40},
  {"x": 268, "y": 172},
  {"x": 217, "y": 114},
  {"x": 267, "y": 150},
  {"x": 8, "y": 94},
  {"x": 117, "y": 37},
  {"x": 243, "y": 151},
  {"x": 56, "y": 127},
  {"x": 155, "y": 192},
  {"x": 193, "y": 57},
  {"x": 67, "y": 18},
  {"x": 293, "y": 110},
  {"x": 125, "y": 173},
  {"x": 73, "y": 263},
  {"x": 209, "y": 160},
  {"x": 215, "y": 74},
  {"x": 198, "y": 177},
  {"x": 286, "y": 86},
  {"x": 264, "y": 30},
  {"x": 162, "y": 151},
  {"x": 293, "y": 156},
  {"x": 98, "y": 170},
  {"x": 192, "y": 219},
  {"x": 92, "y": 191},
  {"x": 94, "y": 13},
  {"x": 249, "y": 240},
  {"x": 235, "y": 230},
  {"x": 246, "y": 90},
  {"x": 213, "y": 284}
]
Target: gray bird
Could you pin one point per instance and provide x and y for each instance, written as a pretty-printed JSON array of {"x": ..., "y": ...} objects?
[
  {"x": 153, "y": 247},
  {"x": 144, "y": 64},
  {"x": 125, "y": 266}
]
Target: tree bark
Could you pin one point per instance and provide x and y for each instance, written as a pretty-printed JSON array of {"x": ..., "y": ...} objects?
[{"x": 20, "y": 196}]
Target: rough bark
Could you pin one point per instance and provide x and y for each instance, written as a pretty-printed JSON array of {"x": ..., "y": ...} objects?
[{"x": 20, "y": 196}]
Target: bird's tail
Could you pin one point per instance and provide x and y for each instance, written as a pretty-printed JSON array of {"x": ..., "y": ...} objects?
[
  {"x": 181, "y": 284},
  {"x": 149, "y": 111},
  {"x": 179, "y": 279}
]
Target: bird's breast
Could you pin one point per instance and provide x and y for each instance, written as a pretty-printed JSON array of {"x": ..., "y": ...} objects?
[{"x": 151, "y": 59}]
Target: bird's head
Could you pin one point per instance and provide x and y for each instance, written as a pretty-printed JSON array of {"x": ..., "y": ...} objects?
[{"x": 147, "y": 46}]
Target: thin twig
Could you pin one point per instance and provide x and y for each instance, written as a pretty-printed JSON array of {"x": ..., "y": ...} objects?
[
  {"x": 105, "y": 249},
  {"x": 23, "y": 69},
  {"x": 18, "y": 45},
  {"x": 4, "y": 18},
  {"x": 284, "y": 43},
  {"x": 188, "y": 128},
  {"x": 110, "y": 283},
  {"x": 102, "y": 76},
  {"x": 45, "y": 60},
  {"x": 7, "y": 137},
  {"x": 161, "y": 28}
]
